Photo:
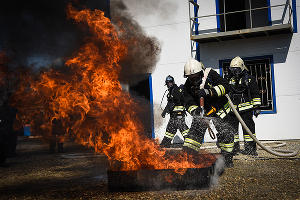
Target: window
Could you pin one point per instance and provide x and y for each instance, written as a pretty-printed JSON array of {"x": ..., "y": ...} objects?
[
  {"x": 243, "y": 19},
  {"x": 262, "y": 69}
]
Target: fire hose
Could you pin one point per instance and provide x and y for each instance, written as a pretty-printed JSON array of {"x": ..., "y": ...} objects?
[
  {"x": 162, "y": 100},
  {"x": 277, "y": 144},
  {"x": 285, "y": 153}
]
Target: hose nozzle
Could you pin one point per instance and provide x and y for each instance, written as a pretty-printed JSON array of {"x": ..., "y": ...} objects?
[{"x": 202, "y": 106}]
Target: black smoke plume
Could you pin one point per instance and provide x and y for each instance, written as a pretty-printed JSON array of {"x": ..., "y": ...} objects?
[
  {"x": 164, "y": 9},
  {"x": 37, "y": 33},
  {"x": 143, "y": 50}
]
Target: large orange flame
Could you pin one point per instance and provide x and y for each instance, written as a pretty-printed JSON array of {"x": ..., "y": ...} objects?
[{"x": 89, "y": 101}]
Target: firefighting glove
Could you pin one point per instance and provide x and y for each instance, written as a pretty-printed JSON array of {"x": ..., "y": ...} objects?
[
  {"x": 256, "y": 112},
  {"x": 202, "y": 93},
  {"x": 196, "y": 112}
]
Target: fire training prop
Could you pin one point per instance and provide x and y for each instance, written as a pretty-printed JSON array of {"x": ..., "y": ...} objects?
[{"x": 164, "y": 179}]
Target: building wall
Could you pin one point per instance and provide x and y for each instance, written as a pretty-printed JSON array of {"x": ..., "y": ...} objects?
[{"x": 173, "y": 33}]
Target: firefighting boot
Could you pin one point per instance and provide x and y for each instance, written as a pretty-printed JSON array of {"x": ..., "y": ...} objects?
[
  {"x": 166, "y": 142},
  {"x": 227, "y": 158},
  {"x": 250, "y": 149},
  {"x": 60, "y": 147},
  {"x": 236, "y": 148},
  {"x": 253, "y": 151},
  {"x": 246, "y": 150}
]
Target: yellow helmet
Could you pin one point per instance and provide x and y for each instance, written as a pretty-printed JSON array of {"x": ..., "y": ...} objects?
[{"x": 238, "y": 62}]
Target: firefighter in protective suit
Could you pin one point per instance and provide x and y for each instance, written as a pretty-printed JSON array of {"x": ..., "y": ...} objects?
[
  {"x": 57, "y": 136},
  {"x": 175, "y": 107},
  {"x": 244, "y": 94},
  {"x": 208, "y": 84}
]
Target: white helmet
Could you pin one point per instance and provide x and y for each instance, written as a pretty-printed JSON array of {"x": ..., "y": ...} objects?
[
  {"x": 238, "y": 62},
  {"x": 192, "y": 66}
]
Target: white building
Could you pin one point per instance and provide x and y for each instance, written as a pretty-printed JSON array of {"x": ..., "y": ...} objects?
[{"x": 264, "y": 33}]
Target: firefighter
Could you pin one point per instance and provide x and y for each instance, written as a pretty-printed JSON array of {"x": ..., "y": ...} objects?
[
  {"x": 57, "y": 136},
  {"x": 175, "y": 107},
  {"x": 8, "y": 137},
  {"x": 208, "y": 84},
  {"x": 244, "y": 94}
]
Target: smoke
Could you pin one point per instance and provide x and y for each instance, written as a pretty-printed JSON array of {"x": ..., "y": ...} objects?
[
  {"x": 143, "y": 50},
  {"x": 218, "y": 171},
  {"x": 157, "y": 116},
  {"x": 37, "y": 33},
  {"x": 164, "y": 9}
]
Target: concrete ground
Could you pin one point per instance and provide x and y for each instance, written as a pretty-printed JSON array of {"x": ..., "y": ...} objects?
[{"x": 80, "y": 174}]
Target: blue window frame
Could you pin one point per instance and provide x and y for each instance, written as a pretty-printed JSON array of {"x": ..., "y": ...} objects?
[
  {"x": 294, "y": 16},
  {"x": 262, "y": 68},
  {"x": 197, "y": 56},
  {"x": 151, "y": 105},
  {"x": 237, "y": 21}
]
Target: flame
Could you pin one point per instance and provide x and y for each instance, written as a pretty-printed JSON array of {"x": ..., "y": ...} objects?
[{"x": 89, "y": 101}]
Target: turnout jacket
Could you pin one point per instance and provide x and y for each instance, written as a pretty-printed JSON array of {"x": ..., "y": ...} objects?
[
  {"x": 244, "y": 93},
  {"x": 218, "y": 87},
  {"x": 175, "y": 105}
]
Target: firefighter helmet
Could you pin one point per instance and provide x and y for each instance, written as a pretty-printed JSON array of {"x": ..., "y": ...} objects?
[
  {"x": 238, "y": 62},
  {"x": 192, "y": 66},
  {"x": 169, "y": 79}
]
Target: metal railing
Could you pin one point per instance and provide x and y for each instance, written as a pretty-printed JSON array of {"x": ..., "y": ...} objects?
[{"x": 195, "y": 20}]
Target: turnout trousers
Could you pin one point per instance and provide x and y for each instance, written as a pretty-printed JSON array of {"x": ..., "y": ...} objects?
[
  {"x": 249, "y": 143},
  {"x": 175, "y": 123},
  {"x": 225, "y": 136}
]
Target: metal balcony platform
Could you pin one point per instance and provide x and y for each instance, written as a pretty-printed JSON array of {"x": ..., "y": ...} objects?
[{"x": 244, "y": 33}]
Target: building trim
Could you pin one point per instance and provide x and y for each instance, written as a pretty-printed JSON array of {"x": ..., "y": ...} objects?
[
  {"x": 274, "y": 111},
  {"x": 269, "y": 13},
  {"x": 221, "y": 66},
  {"x": 273, "y": 88},
  {"x": 217, "y": 16},
  {"x": 244, "y": 33},
  {"x": 196, "y": 30},
  {"x": 151, "y": 105},
  {"x": 294, "y": 7}
]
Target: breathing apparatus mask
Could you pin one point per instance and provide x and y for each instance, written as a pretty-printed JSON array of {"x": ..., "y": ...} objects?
[{"x": 196, "y": 79}]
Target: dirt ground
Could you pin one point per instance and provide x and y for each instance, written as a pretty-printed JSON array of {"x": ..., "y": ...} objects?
[{"x": 80, "y": 174}]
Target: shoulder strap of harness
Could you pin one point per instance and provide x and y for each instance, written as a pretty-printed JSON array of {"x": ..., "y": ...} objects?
[{"x": 206, "y": 72}]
